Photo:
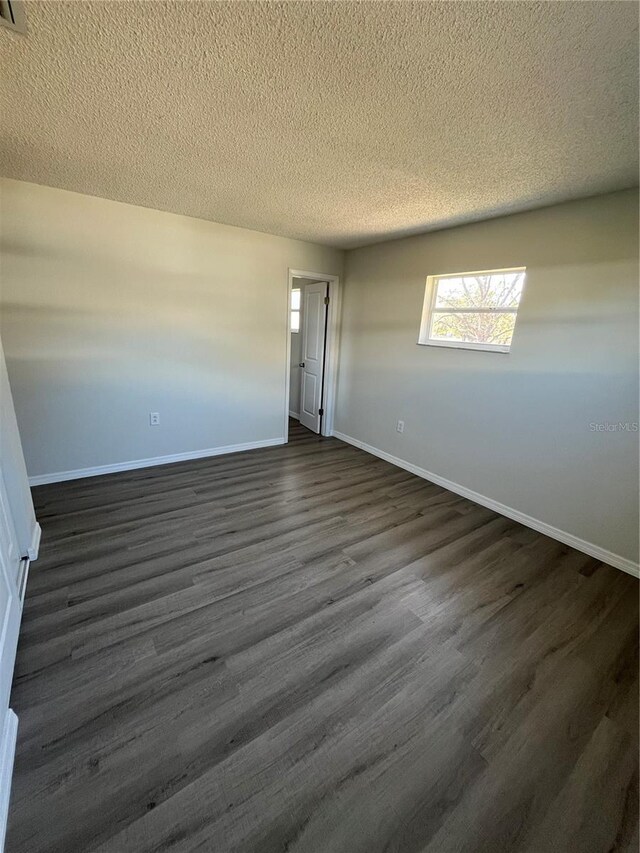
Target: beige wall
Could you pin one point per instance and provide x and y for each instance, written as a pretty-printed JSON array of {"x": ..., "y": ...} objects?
[
  {"x": 112, "y": 311},
  {"x": 514, "y": 427}
]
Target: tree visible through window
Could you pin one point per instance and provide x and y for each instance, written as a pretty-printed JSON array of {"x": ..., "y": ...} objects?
[
  {"x": 295, "y": 309},
  {"x": 472, "y": 310}
]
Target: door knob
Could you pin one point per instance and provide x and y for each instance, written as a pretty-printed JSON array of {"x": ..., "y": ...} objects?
[{"x": 301, "y": 364}]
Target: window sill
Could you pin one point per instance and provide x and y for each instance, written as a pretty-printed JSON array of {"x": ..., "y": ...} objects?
[{"x": 461, "y": 345}]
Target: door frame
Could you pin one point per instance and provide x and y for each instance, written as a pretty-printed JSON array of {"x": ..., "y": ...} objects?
[{"x": 331, "y": 350}]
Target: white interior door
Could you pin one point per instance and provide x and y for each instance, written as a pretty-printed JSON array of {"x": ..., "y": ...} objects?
[
  {"x": 10, "y": 599},
  {"x": 312, "y": 365}
]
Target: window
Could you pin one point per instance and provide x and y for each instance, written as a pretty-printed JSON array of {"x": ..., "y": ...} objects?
[
  {"x": 472, "y": 310},
  {"x": 295, "y": 309}
]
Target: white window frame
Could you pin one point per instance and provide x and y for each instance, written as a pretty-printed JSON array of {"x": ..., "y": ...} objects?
[{"x": 428, "y": 308}]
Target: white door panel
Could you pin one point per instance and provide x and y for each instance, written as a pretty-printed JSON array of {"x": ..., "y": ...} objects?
[
  {"x": 314, "y": 304},
  {"x": 313, "y": 343},
  {"x": 10, "y": 606},
  {"x": 7, "y": 532},
  {"x": 309, "y": 383}
]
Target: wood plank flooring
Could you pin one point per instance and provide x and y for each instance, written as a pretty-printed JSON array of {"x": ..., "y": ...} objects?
[{"x": 305, "y": 649}]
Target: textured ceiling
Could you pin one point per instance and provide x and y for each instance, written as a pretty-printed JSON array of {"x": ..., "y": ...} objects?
[{"x": 341, "y": 122}]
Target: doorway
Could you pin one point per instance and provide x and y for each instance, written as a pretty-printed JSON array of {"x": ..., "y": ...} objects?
[{"x": 312, "y": 336}]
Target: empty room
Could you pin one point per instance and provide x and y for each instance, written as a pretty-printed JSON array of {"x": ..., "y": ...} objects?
[{"x": 319, "y": 449}]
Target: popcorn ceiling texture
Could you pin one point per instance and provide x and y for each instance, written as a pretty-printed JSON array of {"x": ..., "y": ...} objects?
[{"x": 339, "y": 123}]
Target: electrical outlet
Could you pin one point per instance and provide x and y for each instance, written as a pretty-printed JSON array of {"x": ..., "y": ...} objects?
[
  {"x": 400, "y": 426},
  {"x": 154, "y": 418}
]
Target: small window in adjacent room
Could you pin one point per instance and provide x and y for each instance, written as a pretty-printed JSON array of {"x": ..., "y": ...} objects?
[
  {"x": 295, "y": 309},
  {"x": 472, "y": 310}
]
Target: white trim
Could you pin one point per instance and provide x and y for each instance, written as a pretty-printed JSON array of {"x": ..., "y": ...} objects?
[
  {"x": 596, "y": 551},
  {"x": 295, "y": 415},
  {"x": 23, "y": 579},
  {"x": 7, "y": 754},
  {"x": 477, "y": 272},
  {"x": 498, "y": 310},
  {"x": 465, "y": 345},
  {"x": 332, "y": 346},
  {"x": 80, "y": 473},
  {"x": 34, "y": 547}
]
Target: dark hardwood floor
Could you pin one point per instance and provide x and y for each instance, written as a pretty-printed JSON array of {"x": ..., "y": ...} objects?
[{"x": 306, "y": 649}]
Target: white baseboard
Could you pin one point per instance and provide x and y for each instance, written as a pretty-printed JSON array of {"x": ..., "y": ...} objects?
[
  {"x": 80, "y": 473},
  {"x": 34, "y": 547},
  {"x": 294, "y": 414},
  {"x": 7, "y": 754},
  {"x": 596, "y": 551}
]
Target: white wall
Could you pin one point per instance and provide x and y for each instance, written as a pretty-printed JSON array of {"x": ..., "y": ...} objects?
[
  {"x": 514, "y": 427},
  {"x": 113, "y": 311}
]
